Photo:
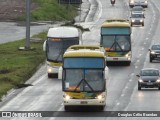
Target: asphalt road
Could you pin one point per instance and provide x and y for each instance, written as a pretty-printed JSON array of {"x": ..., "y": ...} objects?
[{"x": 123, "y": 95}]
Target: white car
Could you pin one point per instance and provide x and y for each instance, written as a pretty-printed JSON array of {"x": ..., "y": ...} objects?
[{"x": 143, "y": 3}]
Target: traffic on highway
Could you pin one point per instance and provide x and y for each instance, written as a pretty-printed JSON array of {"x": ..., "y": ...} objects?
[{"x": 110, "y": 72}]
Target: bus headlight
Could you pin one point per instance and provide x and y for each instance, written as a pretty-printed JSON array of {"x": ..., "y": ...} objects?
[
  {"x": 128, "y": 55},
  {"x": 101, "y": 96},
  {"x": 133, "y": 20},
  {"x": 152, "y": 52},
  {"x": 141, "y": 20},
  {"x": 67, "y": 97},
  {"x": 132, "y": 2},
  {"x": 140, "y": 80},
  {"x": 49, "y": 70},
  {"x": 158, "y": 81}
]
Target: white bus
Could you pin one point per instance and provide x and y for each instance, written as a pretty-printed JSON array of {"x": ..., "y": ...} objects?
[{"x": 58, "y": 40}]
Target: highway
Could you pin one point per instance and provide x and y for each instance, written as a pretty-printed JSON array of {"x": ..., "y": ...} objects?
[{"x": 122, "y": 90}]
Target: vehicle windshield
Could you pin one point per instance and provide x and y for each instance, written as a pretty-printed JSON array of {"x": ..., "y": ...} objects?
[
  {"x": 57, "y": 47},
  {"x": 84, "y": 62},
  {"x": 155, "y": 47},
  {"x": 137, "y": 9},
  {"x": 137, "y": 15},
  {"x": 83, "y": 80},
  {"x": 116, "y": 43},
  {"x": 149, "y": 73}
]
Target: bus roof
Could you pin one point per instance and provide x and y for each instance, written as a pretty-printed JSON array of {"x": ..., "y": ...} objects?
[
  {"x": 90, "y": 47},
  {"x": 63, "y": 32},
  {"x": 84, "y": 53},
  {"x": 116, "y": 23}
]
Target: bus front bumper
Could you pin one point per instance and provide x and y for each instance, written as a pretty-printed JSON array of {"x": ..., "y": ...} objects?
[
  {"x": 128, "y": 59},
  {"x": 84, "y": 102}
]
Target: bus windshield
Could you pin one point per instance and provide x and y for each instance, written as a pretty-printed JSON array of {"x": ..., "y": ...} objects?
[
  {"x": 84, "y": 63},
  {"x": 115, "y": 30},
  {"x": 57, "y": 47},
  {"x": 116, "y": 42},
  {"x": 83, "y": 80}
]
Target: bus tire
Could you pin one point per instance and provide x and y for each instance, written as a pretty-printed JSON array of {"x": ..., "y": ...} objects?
[
  {"x": 150, "y": 59},
  {"x": 101, "y": 108},
  {"x": 67, "y": 108},
  {"x": 49, "y": 75},
  {"x": 128, "y": 63},
  {"x": 139, "y": 88}
]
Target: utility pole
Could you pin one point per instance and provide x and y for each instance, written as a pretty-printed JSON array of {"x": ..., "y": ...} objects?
[{"x": 27, "y": 44}]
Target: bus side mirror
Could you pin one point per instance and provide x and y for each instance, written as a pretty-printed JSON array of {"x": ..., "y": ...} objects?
[
  {"x": 60, "y": 71},
  {"x": 138, "y": 75},
  {"x": 106, "y": 73},
  {"x": 44, "y": 45}
]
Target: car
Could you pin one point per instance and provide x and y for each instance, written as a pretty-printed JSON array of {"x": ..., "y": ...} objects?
[
  {"x": 154, "y": 52},
  {"x": 138, "y": 9},
  {"x": 137, "y": 19},
  {"x": 149, "y": 77},
  {"x": 143, "y": 3}
]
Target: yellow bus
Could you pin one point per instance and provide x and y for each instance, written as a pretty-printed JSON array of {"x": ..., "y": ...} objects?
[
  {"x": 58, "y": 40},
  {"x": 116, "y": 39},
  {"x": 84, "y": 77}
]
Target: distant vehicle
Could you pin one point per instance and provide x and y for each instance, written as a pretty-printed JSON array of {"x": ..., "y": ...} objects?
[
  {"x": 113, "y": 2},
  {"x": 154, "y": 52},
  {"x": 143, "y": 3},
  {"x": 116, "y": 39},
  {"x": 84, "y": 77},
  {"x": 58, "y": 40},
  {"x": 149, "y": 77},
  {"x": 137, "y": 9},
  {"x": 137, "y": 19}
]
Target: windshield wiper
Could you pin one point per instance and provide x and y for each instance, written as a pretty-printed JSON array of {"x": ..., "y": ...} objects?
[
  {"x": 89, "y": 86},
  {"x": 78, "y": 85},
  {"x": 111, "y": 46},
  {"x": 59, "y": 55},
  {"x": 83, "y": 85}
]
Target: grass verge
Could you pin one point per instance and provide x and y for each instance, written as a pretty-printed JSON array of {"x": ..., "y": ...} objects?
[
  {"x": 51, "y": 10},
  {"x": 18, "y": 66}
]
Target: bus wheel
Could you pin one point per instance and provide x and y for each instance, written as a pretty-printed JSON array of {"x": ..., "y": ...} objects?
[
  {"x": 128, "y": 63},
  {"x": 139, "y": 88},
  {"x": 49, "y": 75},
  {"x": 150, "y": 59},
  {"x": 67, "y": 108},
  {"x": 101, "y": 108}
]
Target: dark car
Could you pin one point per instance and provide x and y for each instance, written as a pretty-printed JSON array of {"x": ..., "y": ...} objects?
[
  {"x": 149, "y": 77},
  {"x": 154, "y": 52}
]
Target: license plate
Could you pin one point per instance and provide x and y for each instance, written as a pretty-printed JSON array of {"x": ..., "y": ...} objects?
[
  {"x": 84, "y": 102},
  {"x": 149, "y": 83},
  {"x": 115, "y": 58}
]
